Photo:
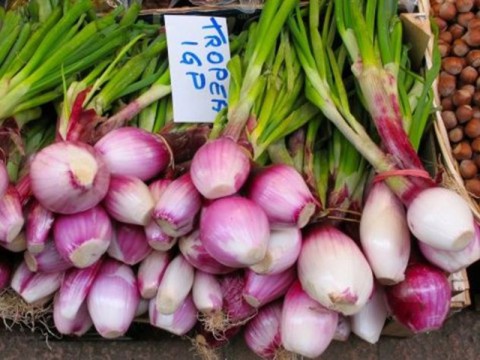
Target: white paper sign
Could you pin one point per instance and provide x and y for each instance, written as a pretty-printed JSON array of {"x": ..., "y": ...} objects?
[{"x": 198, "y": 53}]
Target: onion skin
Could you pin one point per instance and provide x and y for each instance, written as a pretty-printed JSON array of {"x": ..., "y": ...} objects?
[
  {"x": 422, "y": 301},
  {"x": 129, "y": 244},
  {"x": 69, "y": 177},
  {"x": 207, "y": 293}
]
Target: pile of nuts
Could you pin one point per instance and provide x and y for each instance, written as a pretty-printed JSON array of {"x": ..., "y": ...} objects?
[{"x": 459, "y": 83}]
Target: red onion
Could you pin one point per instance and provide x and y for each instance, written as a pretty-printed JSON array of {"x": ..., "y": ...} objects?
[
  {"x": 307, "y": 328},
  {"x": 150, "y": 273},
  {"x": 177, "y": 207},
  {"x": 176, "y": 283},
  {"x": 82, "y": 238},
  {"x": 135, "y": 152},
  {"x": 235, "y": 231},
  {"x": 333, "y": 270},
  {"x": 48, "y": 261},
  {"x": 207, "y": 293},
  {"x": 4, "y": 180},
  {"x": 283, "y": 250},
  {"x": 284, "y": 196},
  {"x": 368, "y": 323},
  {"x": 421, "y": 302},
  {"x": 384, "y": 235},
  {"x": 262, "y": 289},
  {"x": 78, "y": 325},
  {"x": 441, "y": 218},
  {"x": 39, "y": 223},
  {"x": 113, "y": 299},
  {"x": 220, "y": 168},
  {"x": 194, "y": 251},
  {"x": 236, "y": 311},
  {"x": 180, "y": 322},
  {"x": 33, "y": 287},
  {"x": 453, "y": 261},
  {"x": 69, "y": 177},
  {"x": 11, "y": 216},
  {"x": 129, "y": 244},
  {"x": 75, "y": 288},
  {"x": 262, "y": 333},
  {"x": 129, "y": 200}
]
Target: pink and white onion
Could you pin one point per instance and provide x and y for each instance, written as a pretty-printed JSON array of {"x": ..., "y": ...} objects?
[
  {"x": 177, "y": 207},
  {"x": 384, "y": 235},
  {"x": 262, "y": 289},
  {"x": 129, "y": 244},
  {"x": 39, "y": 222},
  {"x": 75, "y": 288},
  {"x": 113, "y": 299},
  {"x": 192, "y": 248},
  {"x": 283, "y": 250},
  {"x": 150, "y": 273},
  {"x": 220, "y": 168},
  {"x": 33, "y": 287},
  {"x": 78, "y": 325},
  {"x": 69, "y": 177},
  {"x": 175, "y": 285},
  {"x": 180, "y": 322},
  {"x": 133, "y": 151},
  {"x": 333, "y": 270},
  {"x": 207, "y": 293},
  {"x": 284, "y": 196},
  {"x": 262, "y": 333},
  {"x": 442, "y": 219},
  {"x": 307, "y": 328},
  {"x": 368, "y": 323},
  {"x": 11, "y": 216},
  {"x": 82, "y": 238},
  {"x": 129, "y": 200},
  {"x": 48, "y": 261},
  {"x": 235, "y": 231}
]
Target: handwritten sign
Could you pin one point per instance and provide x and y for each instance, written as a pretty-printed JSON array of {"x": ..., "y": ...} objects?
[{"x": 198, "y": 53}]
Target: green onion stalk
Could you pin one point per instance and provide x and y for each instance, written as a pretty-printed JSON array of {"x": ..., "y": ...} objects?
[
  {"x": 64, "y": 45},
  {"x": 246, "y": 82},
  {"x": 372, "y": 34},
  {"x": 325, "y": 88}
]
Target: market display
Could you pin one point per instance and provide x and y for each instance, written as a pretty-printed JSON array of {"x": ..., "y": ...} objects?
[{"x": 308, "y": 210}]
